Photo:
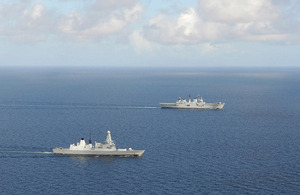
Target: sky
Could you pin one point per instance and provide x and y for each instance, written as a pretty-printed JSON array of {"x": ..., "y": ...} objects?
[{"x": 150, "y": 33}]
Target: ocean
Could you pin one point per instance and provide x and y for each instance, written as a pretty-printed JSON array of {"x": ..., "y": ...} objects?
[{"x": 252, "y": 146}]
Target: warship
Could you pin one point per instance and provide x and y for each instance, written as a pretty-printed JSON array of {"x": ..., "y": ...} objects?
[
  {"x": 99, "y": 149},
  {"x": 197, "y": 103}
]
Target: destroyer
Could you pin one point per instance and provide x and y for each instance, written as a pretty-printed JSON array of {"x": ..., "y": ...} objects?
[
  {"x": 197, "y": 103},
  {"x": 106, "y": 149}
]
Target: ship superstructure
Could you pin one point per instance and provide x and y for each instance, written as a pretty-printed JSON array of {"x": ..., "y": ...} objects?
[{"x": 108, "y": 148}]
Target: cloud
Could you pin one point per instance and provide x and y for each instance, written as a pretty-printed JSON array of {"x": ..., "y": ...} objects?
[
  {"x": 187, "y": 28},
  {"x": 28, "y": 21},
  {"x": 210, "y": 22},
  {"x": 36, "y": 11},
  {"x": 103, "y": 19},
  {"x": 226, "y": 20},
  {"x": 23, "y": 22},
  {"x": 139, "y": 43},
  {"x": 236, "y": 11}
]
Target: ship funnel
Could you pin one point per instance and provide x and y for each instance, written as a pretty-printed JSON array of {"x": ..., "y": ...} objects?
[{"x": 108, "y": 138}]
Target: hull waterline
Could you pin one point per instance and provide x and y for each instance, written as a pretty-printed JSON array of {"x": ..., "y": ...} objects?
[{"x": 66, "y": 151}]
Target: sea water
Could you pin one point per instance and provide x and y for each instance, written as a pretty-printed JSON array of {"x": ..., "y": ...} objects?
[{"x": 249, "y": 147}]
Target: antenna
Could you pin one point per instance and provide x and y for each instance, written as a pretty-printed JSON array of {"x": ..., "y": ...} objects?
[{"x": 90, "y": 140}]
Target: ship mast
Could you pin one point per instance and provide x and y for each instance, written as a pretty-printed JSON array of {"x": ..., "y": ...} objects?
[
  {"x": 108, "y": 138},
  {"x": 90, "y": 140}
]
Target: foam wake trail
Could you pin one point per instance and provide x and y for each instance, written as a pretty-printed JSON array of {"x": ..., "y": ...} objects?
[
  {"x": 25, "y": 152},
  {"x": 138, "y": 107},
  {"x": 82, "y": 106},
  {"x": 42, "y": 152}
]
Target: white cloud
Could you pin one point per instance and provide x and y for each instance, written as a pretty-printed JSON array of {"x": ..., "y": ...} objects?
[
  {"x": 103, "y": 19},
  {"x": 188, "y": 28},
  {"x": 226, "y": 20},
  {"x": 212, "y": 21},
  {"x": 237, "y": 11},
  {"x": 132, "y": 14},
  {"x": 139, "y": 43},
  {"x": 28, "y": 21},
  {"x": 188, "y": 21},
  {"x": 22, "y": 22},
  {"x": 36, "y": 11},
  {"x": 74, "y": 25}
]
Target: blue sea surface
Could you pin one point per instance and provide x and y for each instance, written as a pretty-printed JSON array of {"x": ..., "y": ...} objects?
[{"x": 252, "y": 146}]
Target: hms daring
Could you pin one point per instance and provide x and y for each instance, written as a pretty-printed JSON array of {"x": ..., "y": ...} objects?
[
  {"x": 197, "y": 103},
  {"x": 106, "y": 149}
]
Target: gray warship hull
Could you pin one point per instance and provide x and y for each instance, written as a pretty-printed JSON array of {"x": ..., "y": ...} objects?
[
  {"x": 193, "y": 106},
  {"x": 99, "y": 149},
  {"x": 95, "y": 152},
  {"x": 196, "y": 103}
]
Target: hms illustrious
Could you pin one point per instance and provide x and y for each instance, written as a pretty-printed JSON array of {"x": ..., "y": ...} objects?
[
  {"x": 100, "y": 149},
  {"x": 197, "y": 103}
]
